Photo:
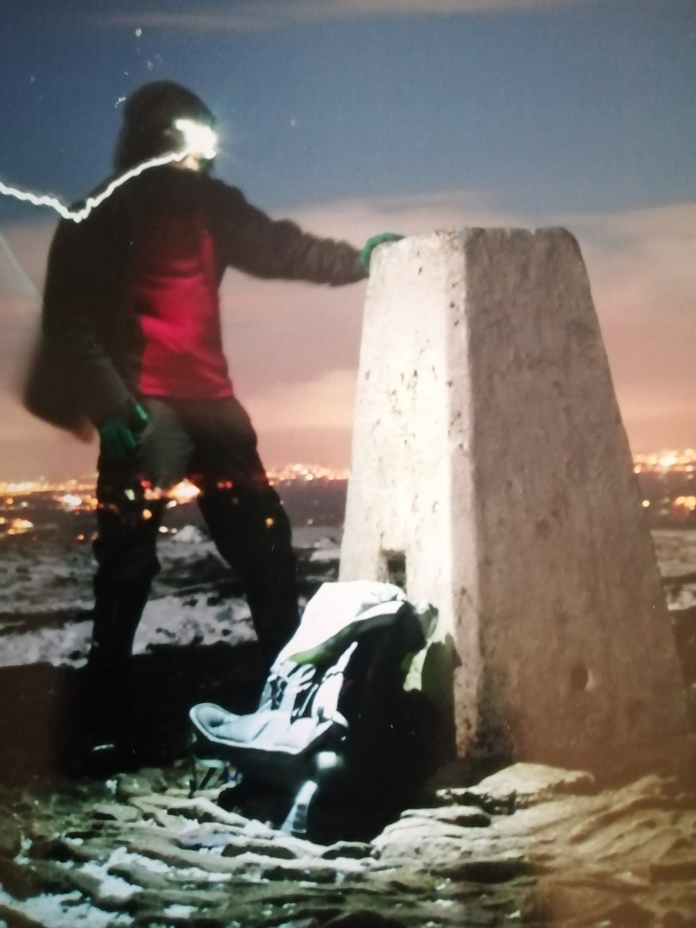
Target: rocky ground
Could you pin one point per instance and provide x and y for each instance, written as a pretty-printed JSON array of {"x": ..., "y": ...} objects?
[
  {"x": 613, "y": 845},
  {"x": 528, "y": 845}
]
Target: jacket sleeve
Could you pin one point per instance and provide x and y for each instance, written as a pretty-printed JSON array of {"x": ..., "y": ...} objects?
[
  {"x": 270, "y": 248},
  {"x": 72, "y": 327}
]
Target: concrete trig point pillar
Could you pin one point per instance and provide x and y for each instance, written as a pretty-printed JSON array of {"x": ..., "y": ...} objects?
[{"x": 490, "y": 464}]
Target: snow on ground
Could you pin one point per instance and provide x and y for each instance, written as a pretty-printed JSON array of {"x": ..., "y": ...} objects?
[
  {"x": 44, "y": 576},
  {"x": 66, "y": 645},
  {"x": 676, "y": 551},
  {"x": 193, "y": 620},
  {"x": 676, "y": 555},
  {"x": 167, "y": 620},
  {"x": 63, "y": 910},
  {"x": 46, "y": 586}
]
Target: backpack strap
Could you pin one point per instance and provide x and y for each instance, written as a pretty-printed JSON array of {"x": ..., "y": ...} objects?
[{"x": 325, "y": 703}]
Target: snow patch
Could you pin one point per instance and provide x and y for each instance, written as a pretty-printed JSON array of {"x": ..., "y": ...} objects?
[{"x": 65, "y": 910}]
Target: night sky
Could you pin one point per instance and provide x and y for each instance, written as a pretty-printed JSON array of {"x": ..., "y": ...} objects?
[{"x": 360, "y": 116}]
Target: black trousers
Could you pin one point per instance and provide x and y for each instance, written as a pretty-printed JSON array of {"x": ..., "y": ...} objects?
[{"x": 213, "y": 443}]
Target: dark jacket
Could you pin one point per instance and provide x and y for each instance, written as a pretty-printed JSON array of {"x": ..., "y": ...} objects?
[{"x": 85, "y": 366}]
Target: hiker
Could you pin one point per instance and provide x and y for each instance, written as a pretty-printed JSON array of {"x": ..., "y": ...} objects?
[{"x": 132, "y": 343}]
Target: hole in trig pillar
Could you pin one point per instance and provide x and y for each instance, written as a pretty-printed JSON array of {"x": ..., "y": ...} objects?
[
  {"x": 581, "y": 678},
  {"x": 395, "y": 567}
]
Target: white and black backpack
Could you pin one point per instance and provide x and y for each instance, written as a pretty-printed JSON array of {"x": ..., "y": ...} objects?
[{"x": 331, "y": 718}]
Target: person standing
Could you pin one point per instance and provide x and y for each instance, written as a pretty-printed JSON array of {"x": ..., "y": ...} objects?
[{"x": 131, "y": 323}]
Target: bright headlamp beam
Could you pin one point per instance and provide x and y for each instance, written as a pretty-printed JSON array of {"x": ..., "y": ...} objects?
[
  {"x": 199, "y": 139},
  {"x": 201, "y": 143}
]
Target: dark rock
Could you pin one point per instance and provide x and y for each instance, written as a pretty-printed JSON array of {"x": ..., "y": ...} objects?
[
  {"x": 521, "y": 786},
  {"x": 355, "y": 850},
  {"x": 49, "y": 848},
  {"x": 299, "y": 870},
  {"x": 492, "y": 871},
  {"x": 19, "y": 881},
  {"x": 10, "y": 837},
  {"x": 464, "y": 816},
  {"x": 202, "y": 839},
  {"x": 115, "y": 812},
  {"x": 363, "y": 919},
  {"x": 673, "y": 870},
  {"x": 235, "y": 846},
  {"x": 674, "y": 919},
  {"x": 629, "y": 914},
  {"x": 25, "y": 880},
  {"x": 141, "y": 876},
  {"x": 143, "y": 783},
  {"x": 311, "y": 922},
  {"x": 102, "y": 892},
  {"x": 9, "y": 917}
]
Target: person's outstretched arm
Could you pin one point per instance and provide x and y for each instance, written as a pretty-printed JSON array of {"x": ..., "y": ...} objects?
[{"x": 279, "y": 248}]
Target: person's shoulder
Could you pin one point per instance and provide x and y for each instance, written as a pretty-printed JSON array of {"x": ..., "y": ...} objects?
[
  {"x": 98, "y": 208},
  {"x": 223, "y": 194},
  {"x": 101, "y": 193}
]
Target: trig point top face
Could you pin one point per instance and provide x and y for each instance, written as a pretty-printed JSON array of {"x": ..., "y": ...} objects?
[{"x": 491, "y": 470}]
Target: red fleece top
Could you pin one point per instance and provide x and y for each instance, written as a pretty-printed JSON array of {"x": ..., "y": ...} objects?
[
  {"x": 176, "y": 298},
  {"x": 131, "y": 302}
]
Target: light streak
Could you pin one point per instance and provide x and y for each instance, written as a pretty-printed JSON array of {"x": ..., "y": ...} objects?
[
  {"x": 200, "y": 141},
  {"x": 91, "y": 202}
]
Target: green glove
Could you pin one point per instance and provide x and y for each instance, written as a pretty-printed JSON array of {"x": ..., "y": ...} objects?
[
  {"x": 372, "y": 243},
  {"x": 118, "y": 433}
]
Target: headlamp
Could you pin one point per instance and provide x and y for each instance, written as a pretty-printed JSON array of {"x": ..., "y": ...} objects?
[{"x": 199, "y": 139}]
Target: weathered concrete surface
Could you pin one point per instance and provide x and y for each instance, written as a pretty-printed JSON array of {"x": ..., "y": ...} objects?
[{"x": 489, "y": 453}]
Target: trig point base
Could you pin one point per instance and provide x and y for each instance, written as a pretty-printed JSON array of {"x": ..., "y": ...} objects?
[{"x": 491, "y": 469}]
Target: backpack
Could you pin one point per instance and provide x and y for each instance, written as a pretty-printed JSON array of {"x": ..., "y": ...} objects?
[{"x": 331, "y": 719}]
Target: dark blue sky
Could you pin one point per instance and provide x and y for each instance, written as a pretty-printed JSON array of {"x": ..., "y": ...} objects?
[
  {"x": 582, "y": 107},
  {"x": 432, "y": 114}
]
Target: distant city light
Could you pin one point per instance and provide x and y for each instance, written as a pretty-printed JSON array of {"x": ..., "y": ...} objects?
[
  {"x": 306, "y": 472},
  {"x": 183, "y": 492},
  {"x": 70, "y": 501},
  {"x": 667, "y": 485},
  {"x": 665, "y": 461},
  {"x": 685, "y": 502},
  {"x": 67, "y": 492}
]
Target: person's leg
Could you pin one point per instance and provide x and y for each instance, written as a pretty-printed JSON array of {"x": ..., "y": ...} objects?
[
  {"x": 247, "y": 520},
  {"x": 252, "y": 532},
  {"x": 129, "y": 514},
  {"x": 125, "y": 552}
]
